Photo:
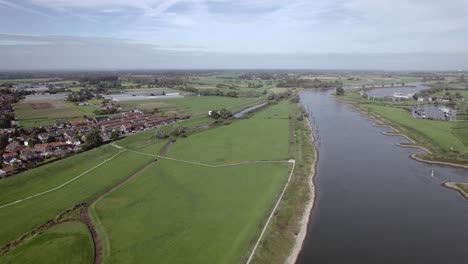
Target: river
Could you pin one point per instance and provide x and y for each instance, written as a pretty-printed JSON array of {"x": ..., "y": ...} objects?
[
  {"x": 387, "y": 91},
  {"x": 373, "y": 203}
]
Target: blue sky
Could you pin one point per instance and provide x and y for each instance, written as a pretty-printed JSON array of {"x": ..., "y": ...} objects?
[{"x": 151, "y": 33}]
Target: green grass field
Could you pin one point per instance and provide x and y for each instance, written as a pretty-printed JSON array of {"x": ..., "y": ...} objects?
[
  {"x": 64, "y": 243},
  {"x": 22, "y": 217},
  {"x": 464, "y": 93},
  {"x": 246, "y": 140},
  {"x": 183, "y": 213},
  {"x": 441, "y": 137},
  {"x": 192, "y": 105},
  {"x": 172, "y": 206},
  {"x": 210, "y": 214},
  {"x": 31, "y": 80}
]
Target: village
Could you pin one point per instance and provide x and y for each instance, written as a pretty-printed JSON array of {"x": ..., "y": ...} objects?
[{"x": 29, "y": 147}]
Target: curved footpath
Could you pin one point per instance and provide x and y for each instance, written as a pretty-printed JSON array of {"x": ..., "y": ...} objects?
[{"x": 304, "y": 223}]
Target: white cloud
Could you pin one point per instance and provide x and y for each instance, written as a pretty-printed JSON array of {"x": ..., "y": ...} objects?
[{"x": 278, "y": 26}]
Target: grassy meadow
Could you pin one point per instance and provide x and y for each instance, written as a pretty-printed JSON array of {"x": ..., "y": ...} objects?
[
  {"x": 22, "y": 217},
  {"x": 210, "y": 214},
  {"x": 183, "y": 213},
  {"x": 68, "y": 242},
  {"x": 188, "y": 105},
  {"x": 250, "y": 139}
]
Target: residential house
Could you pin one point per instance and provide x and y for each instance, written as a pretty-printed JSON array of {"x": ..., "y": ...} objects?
[
  {"x": 61, "y": 123},
  {"x": 7, "y": 171},
  {"x": 69, "y": 134},
  {"x": 56, "y": 145},
  {"x": 25, "y": 139},
  {"x": 126, "y": 128},
  {"x": 43, "y": 137},
  {"x": 9, "y": 155},
  {"x": 73, "y": 141},
  {"x": 80, "y": 122},
  {"x": 11, "y": 161},
  {"x": 42, "y": 147},
  {"x": 13, "y": 147},
  {"x": 28, "y": 156}
]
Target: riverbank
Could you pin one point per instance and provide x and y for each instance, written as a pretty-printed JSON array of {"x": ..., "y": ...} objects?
[
  {"x": 383, "y": 122},
  {"x": 460, "y": 187},
  {"x": 308, "y": 209},
  {"x": 283, "y": 238}
]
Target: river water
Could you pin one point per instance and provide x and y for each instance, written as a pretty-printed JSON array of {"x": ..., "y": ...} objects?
[
  {"x": 387, "y": 91},
  {"x": 373, "y": 203}
]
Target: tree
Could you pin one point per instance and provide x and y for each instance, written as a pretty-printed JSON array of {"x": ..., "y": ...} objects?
[
  {"x": 177, "y": 130},
  {"x": 4, "y": 140},
  {"x": 93, "y": 139},
  {"x": 159, "y": 133},
  {"x": 225, "y": 114},
  {"x": 340, "y": 91},
  {"x": 115, "y": 135}
]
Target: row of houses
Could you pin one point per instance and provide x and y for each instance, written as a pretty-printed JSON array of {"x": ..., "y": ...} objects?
[{"x": 67, "y": 137}]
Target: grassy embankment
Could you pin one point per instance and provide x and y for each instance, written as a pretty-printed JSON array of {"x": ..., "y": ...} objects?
[
  {"x": 212, "y": 215},
  {"x": 281, "y": 234}
]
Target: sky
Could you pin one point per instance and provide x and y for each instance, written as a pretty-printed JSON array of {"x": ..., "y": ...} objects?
[{"x": 228, "y": 34}]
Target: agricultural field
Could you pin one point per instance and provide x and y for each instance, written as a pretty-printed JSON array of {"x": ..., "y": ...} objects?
[
  {"x": 95, "y": 174},
  {"x": 464, "y": 93},
  {"x": 31, "y": 80},
  {"x": 192, "y": 105},
  {"x": 187, "y": 200},
  {"x": 170, "y": 202},
  {"x": 209, "y": 214},
  {"x": 245, "y": 140},
  {"x": 68, "y": 242},
  {"x": 36, "y": 113}
]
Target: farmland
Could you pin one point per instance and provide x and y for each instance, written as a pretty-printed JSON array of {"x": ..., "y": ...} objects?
[
  {"x": 208, "y": 196},
  {"x": 212, "y": 191},
  {"x": 65, "y": 243},
  {"x": 211, "y": 214},
  {"x": 193, "y": 105},
  {"x": 22, "y": 217},
  {"x": 36, "y": 113}
]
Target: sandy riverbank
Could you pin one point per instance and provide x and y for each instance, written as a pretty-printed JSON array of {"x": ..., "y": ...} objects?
[
  {"x": 454, "y": 186},
  {"x": 307, "y": 210}
]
